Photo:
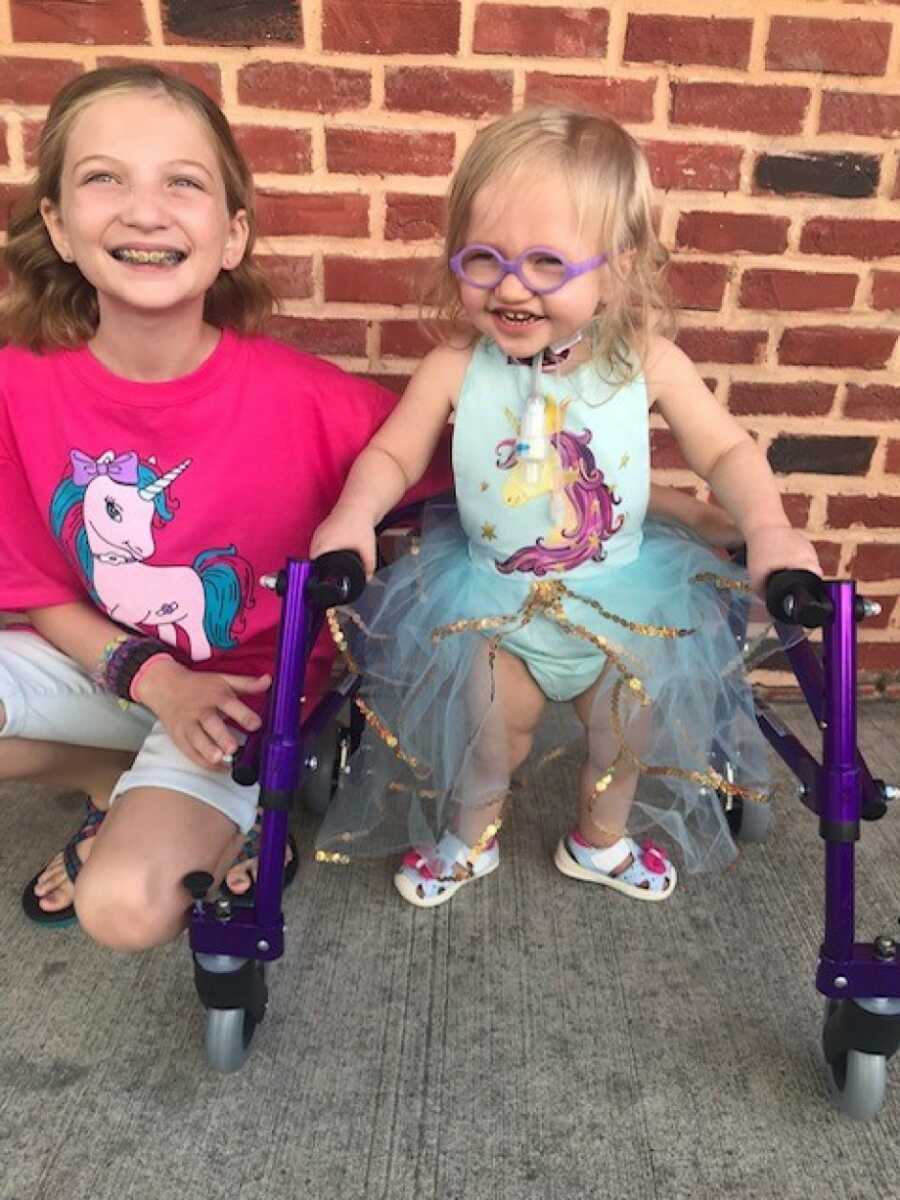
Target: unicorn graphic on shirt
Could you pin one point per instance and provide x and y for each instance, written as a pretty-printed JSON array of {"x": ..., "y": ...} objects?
[
  {"x": 106, "y": 513},
  {"x": 588, "y": 516}
]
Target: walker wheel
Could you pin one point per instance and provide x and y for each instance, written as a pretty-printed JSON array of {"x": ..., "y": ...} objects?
[
  {"x": 857, "y": 1081},
  {"x": 229, "y": 1033},
  {"x": 748, "y": 820},
  {"x": 317, "y": 782}
]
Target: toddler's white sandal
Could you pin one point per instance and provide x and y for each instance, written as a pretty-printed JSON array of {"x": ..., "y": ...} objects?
[
  {"x": 649, "y": 876},
  {"x": 429, "y": 879}
]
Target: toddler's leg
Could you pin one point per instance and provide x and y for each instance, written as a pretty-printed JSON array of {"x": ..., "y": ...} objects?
[
  {"x": 468, "y": 850},
  {"x": 598, "y": 850},
  {"x": 129, "y": 895}
]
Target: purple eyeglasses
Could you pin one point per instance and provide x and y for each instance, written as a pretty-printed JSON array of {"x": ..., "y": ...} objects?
[{"x": 540, "y": 268}]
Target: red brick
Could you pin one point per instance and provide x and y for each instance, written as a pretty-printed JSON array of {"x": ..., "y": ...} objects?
[
  {"x": 377, "y": 281},
  {"x": 892, "y": 457},
  {"x": 697, "y": 285},
  {"x": 723, "y": 345},
  {"x": 664, "y": 450},
  {"x": 322, "y": 337},
  {"x": 290, "y": 275},
  {"x": 872, "y": 512},
  {"x": 410, "y": 218},
  {"x": 865, "y": 113},
  {"x": 205, "y": 76},
  {"x": 448, "y": 91},
  {"x": 886, "y": 289},
  {"x": 829, "y": 556},
  {"x": 4, "y": 149},
  {"x": 771, "y": 109},
  {"x": 404, "y": 339},
  {"x": 303, "y": 86},
  {"x": 680, "y": 40},
  {"x": 34, "y": 80},
  {"x": 384, "y": 152},
  {"x": 697, "y": 167},
  {"x": 81, "y": 24},
  {"x": 777, "y": 399},
  {"x": 338, "y": 214},
  {"x": 723, "y": 233},
  {"x": 876, "y": 561},
  {"x": 878, "y": 656},
  {"x": 629, "y": 100},
  {"x": 872, "y": 402},
  {"x": 530, "y": 32},
  {"x": 797, "y": 509},
  {"x": 797, "y": 290},
  {"x": 837, "y": 346},
  {"x": 866, "y": 239},
  {"x": 274, "y": 149},
  {"x": 391, "y": 26},
  {"x": 810, "y": 44}
]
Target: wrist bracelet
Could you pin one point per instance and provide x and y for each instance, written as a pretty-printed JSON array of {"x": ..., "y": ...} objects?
[{"x": 136, "y": 677}]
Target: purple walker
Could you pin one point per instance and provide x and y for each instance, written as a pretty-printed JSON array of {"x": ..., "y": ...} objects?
[{"x": 860, "y": 980}]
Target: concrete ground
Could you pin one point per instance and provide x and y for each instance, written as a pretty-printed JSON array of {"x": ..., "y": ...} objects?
[{"x": 537, "y": 1039}]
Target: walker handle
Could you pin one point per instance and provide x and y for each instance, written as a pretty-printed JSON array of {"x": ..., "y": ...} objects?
[
  {"x": 798, "y": 598},
  {"x": 337, "y": 577}
]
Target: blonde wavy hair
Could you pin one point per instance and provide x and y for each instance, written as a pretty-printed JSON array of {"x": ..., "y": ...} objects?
[
  {"x": 48, "y": 303},
  {"x": 610, "y": 184}
]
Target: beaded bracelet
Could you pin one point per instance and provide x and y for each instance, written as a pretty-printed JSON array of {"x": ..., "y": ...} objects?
[{"x": 122, "y": 659}]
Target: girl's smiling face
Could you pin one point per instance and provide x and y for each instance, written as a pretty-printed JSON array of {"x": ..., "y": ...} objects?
[
  {"x": 143, "y": 211},
  {"x": 512, "y": 215}
]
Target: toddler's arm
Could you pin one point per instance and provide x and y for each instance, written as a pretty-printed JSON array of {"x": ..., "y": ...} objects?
[
  {"x": 707, "y": 520},
  {"x": 190, "y": 704},
  {"x": 395, "y": 458},
  {"x": 723, "y": 453}
]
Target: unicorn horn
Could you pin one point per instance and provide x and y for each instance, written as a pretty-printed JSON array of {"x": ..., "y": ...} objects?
[{"x": 159, "y": 485}]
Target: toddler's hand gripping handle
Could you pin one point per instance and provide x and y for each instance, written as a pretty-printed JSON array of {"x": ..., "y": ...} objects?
[
  {"x": 798, "y": 598},
  {"x": 337, "y": 577}
]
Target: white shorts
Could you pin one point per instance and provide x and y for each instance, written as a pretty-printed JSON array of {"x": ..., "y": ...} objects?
[{"x": 48, "y": 697}]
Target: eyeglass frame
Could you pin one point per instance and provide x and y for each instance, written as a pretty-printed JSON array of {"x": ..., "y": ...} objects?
[{"x": 513, "y": 266}]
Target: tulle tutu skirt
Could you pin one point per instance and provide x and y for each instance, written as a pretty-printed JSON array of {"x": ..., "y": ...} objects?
[{"x": 662, "y": 634}]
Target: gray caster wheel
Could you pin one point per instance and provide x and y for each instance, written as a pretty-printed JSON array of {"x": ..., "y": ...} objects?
[
  {"x": 328, "y": 755},
  {"x": 748, "y": 820},
  {"x": 857, "y": 1081},
  {"x": 229, "y": 1033}
]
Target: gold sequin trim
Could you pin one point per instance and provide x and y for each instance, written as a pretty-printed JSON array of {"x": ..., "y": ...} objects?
[{"x": 328, "y": 856}]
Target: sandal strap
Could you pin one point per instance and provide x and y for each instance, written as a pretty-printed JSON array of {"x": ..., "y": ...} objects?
[{"x": 93, "y": 819}]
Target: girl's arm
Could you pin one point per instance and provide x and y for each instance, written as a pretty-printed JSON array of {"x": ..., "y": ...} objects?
[
  {"x": 723, "y": 453},
  {"x": 395, "y": 458},
  {"x": 707, "y": 520},
  {"x": 190, "y": 704}
]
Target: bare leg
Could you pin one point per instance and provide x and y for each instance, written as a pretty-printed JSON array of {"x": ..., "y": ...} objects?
[
  {"x": 603, "y": 816},
  {"x": 129, "y": 895},
  {"x": 504, "y": 742},
  {"x": 80, "y": 767}
]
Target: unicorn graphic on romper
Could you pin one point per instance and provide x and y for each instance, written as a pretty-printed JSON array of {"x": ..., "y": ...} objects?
[
  {"x": 586, "y": 518},
  {"x": 105, "y": 514}
]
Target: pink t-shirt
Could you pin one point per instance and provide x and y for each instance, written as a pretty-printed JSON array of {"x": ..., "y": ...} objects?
[{"x": 165, "y": 502}]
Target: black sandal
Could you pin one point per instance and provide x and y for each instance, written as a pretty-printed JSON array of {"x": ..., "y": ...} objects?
[{"x": 63, "y": 917}]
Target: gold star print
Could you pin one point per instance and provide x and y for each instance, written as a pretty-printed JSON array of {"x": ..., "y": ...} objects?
[
  {"x": 484, "y": 486},
  {"x": 488, "y": 532},
  {"x": 626, "y": 459}
]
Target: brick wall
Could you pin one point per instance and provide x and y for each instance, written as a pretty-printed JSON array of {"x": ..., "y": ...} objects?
[{"x": 771, "y": 131}]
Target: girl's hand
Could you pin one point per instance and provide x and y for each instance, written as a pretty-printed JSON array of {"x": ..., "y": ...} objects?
[
  {"x": 774, "y": 548},
  {"x": 342, "y": 530},
  {"x": 191, "y": 705}
]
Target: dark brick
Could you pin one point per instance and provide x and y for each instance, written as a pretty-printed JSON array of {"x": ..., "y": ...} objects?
[
  {"x": 233, "y": 22},
  {"x": 821, "y": 455},
  {"x": 845, "y": 175}
]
